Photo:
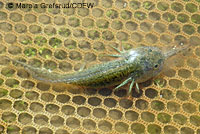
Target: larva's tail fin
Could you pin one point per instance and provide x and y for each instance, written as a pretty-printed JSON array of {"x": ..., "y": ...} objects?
[{"x": 41, "y": 74}]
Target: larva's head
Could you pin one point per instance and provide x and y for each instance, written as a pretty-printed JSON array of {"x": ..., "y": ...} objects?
[{"x": 150, "y": 62}]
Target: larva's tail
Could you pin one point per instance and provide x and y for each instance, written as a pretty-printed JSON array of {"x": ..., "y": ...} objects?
[{"x": 41, "y": 74}]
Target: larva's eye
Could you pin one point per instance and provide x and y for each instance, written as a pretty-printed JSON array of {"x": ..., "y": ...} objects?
[
  {"x": 150, "y": 50},
  {"x": 156, "y": 66}
]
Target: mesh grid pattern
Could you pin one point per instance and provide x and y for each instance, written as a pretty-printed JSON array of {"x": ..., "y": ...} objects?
[{"x": 63, "y": 39}]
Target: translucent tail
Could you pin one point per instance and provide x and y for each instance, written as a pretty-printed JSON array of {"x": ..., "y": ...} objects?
[{"x": 41, "y": 73}]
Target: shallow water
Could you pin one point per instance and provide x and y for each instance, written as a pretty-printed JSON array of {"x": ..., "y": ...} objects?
[{"x": 62, "y": 40}]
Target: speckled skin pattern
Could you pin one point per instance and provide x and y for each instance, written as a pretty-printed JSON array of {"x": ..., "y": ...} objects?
[
  {"x": 141, "y": 64},
  {"x": 136, "y": 65}
]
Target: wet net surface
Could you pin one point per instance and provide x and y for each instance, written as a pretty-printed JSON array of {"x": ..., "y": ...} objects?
[{"x": 63, "y": 40}]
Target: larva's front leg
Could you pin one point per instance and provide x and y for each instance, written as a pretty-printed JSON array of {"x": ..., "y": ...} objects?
[
  {"x": 131, "y": 86},
  {"x": 124, "y": 83},
  {"x": 137, "y": 88}
]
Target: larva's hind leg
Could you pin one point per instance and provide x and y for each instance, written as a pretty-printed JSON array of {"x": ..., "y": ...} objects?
[{"x": 123, "y": 83}]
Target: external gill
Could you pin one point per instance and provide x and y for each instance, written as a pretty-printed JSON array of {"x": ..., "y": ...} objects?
[
  {"x": 120, "y": 52},
  {"x": 130, "y": 79}
]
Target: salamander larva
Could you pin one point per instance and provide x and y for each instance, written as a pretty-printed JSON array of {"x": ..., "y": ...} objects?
[{"x": 134, "y": 66}]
